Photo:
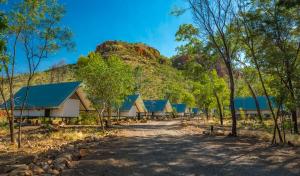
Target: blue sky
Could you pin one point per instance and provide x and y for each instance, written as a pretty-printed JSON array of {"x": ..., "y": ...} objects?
[{"x": 95, "y": 21}]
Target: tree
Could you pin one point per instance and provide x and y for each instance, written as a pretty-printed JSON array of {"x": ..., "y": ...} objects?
[
  {"x": 34, "y": 33},
  {"x": 188, "y": 33},
  {"x": 271, "y": 43},
  {"x": 138, "y": 75},
  {"x": 201, "y": 68},
  {"x": 249, "y": 75},
  {"x": 58, "y": 71},
  {"x": 214, "y": 19},
  {"x": 4, "y": 58},
  {"x": 280, "y": 28},
  {"x": 107, "y": 82},
  {"x": 203, "y": 97}
]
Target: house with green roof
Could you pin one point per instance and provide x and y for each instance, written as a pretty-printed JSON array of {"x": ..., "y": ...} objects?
[
  {"x": 195, "y": 111},
  {"x": 50, "y": 100},
  {"x": 181, "y": 109},
  {"x": 158, "y": 108},
  {"x": 133, "y": 106},
  {"x": 247, "y": 106}
]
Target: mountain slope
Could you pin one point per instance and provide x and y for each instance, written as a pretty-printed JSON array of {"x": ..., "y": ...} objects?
[{"x": 157, "y": 71}]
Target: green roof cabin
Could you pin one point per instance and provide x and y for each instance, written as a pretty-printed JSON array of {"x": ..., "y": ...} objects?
[
  {"x": 158, "y": 107},
  {"x": 133, "y": 106},
  {"x": 181, "y": 109},
  {"x": 195, "y": 111},
  {"x": 51, "y": 100},
  {"x": 247, "y": 105}
]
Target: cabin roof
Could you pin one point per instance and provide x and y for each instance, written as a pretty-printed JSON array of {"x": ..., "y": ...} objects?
[
  {"x": 129, "y": 102},
  {"x": 195, "y": 110},
  {"x": 155, "y": 105},
  {"x": 179, "y": 108},
  {"x": 248, "y": 103},
  {"x": 44, "y": 96}
]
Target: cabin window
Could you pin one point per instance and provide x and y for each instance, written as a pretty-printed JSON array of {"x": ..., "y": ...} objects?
[{"x": 47, "y": 112}]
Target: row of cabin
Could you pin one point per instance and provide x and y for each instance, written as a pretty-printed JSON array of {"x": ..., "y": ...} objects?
[
  {"x": 134, "y": 106},
  {"x": 68, "y": 100},
  {"x": 183, "y": 110}
]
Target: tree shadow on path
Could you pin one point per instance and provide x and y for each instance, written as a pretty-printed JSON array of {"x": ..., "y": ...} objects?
[{"x": 186, "y": 155}]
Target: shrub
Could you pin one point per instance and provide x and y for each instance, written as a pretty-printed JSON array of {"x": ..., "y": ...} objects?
[{"x": 89, "y": 119}]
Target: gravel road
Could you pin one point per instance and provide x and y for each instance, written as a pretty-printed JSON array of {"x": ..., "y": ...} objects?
[{"x": 168, "y": 148}]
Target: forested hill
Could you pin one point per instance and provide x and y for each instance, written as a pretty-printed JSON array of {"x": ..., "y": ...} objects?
[{"x": 157, "y": 75}]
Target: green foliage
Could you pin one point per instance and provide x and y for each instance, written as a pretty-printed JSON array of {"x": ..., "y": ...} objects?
[
  {"x": 3, "y": 28},
  {"x": 187, "y": 33},
  {"x": 207, "y": 86},
  {"x": 39, "y": 22},
  {"x": 270, "y": 44},
  {"x": 107, "y": 81},
  {"x": 89, "y": 119},
  {"x": 179, "y": 93}
]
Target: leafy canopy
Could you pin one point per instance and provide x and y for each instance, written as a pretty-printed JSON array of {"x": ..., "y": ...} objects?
[{"x": 107, "y": 81}]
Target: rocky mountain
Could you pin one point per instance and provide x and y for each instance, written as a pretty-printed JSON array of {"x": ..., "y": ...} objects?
[
  {"x": 180, "y": 62},
  {"x": 135, "y": 53},
  {"x": 157, "y": 72},
  {"x": 157, "y": 75}
]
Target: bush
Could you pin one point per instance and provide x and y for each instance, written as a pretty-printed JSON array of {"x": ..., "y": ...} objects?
[
  {"x": 89, "y": 119},
  {"x": 3, "y": 123}
]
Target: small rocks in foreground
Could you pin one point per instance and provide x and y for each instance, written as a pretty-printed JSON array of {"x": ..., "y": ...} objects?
[{"x": 53, "y": 166}]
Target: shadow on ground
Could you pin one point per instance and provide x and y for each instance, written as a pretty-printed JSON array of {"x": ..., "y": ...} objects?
[{"x": 186, "y": 155}]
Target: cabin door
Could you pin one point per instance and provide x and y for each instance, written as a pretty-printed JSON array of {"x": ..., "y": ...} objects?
[{"x": 47, "y": 112}]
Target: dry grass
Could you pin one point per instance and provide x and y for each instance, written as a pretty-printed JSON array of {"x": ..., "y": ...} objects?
[
  {"x": 36, "y": 140},
  {"x": 251, "y": 128}
]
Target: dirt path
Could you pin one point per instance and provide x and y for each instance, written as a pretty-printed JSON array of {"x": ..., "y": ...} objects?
[{"x": 166, "y": 148}]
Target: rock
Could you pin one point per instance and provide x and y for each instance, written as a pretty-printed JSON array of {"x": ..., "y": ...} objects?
[
  {"x": 219, "y": 133},
  {"x": 31, "y": 165},
  {"x": 9, "y": 168},
  {"x": 49, "y": 161},
  {"x": 70, "y": 147},
  {"x": 53, "y": 172},
  {"x": 206, "y": 133},
  {"x": 60, "y": 166},
  {"x": 37, "y": 170},
  {"x": 35, "y": 158},
  {"x": 68, "y": 156},
  {"x": 83, "y": 152},
  {"x": 46, "y": 166},
  {"x": 60, "y": 163},
  {"x": 70, "y": 164},
  {"x": 60, "y": 160},
  {"x": 20, "y": 172}
]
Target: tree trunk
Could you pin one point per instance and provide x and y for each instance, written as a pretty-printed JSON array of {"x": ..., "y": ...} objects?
[
  {"x": 11, "y": 130},
  {"x": 206, "y": 112},
  {"x": 109, "y": 115},
  {"x": 290, "y": 87},
  {"x": 12, "y": 116},
  {"x": 256, "y": 101},
  {"x": 232, "y": 107},
  {"x": 268, "y": 99},
  {"x": 100, "y": 115},
  {"x": 19, "y": 133},
  {"x": 295, "y": 122},
  {"x": 294, "y": 109},
  {"x": 220, "y": 108}
]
